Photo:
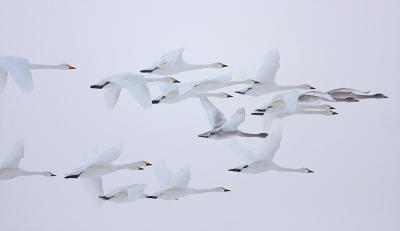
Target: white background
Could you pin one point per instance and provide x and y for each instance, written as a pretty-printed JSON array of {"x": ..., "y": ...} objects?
[{"x": 327, "y": 44}]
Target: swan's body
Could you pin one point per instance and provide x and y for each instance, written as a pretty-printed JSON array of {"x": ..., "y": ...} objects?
[
  {"x": 262, "y": 160},
  {"x": 344, "y": 95},
  {"x": 175, "y": 185},
  {"x": 286, "y": 104},
  {"x": 222, "y": 128},
  {"x": 173, "y": 63},
  {"x": 94, "y": 165},
  {"x": 339, "y": 95},
  {"x": 170, "y": 94},
  {"x": 134, "y": 83},
  {"x": 9, "y": 168},
  {"x": 214, "y": 83},
  {"x": 19, "y": 68},
  {"x": 266, "y": 78}
]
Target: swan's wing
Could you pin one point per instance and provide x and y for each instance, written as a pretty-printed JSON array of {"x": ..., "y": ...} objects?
[
  {"x": 243, "y": 76},
  {"x": 94, "y": 188},
  {"x": 222, "y": 78},
  {"x": 215, "y": 116},
  {"x": 107, "y": 157},
  {"x": 187, "y": 87},
  {"x": 319, "y": 94},
  {"x": 15, "y": 155},
  {"x": 18, "y": 67},
  {"x": 270, "y": 146},
  {"x": 268, "y": 118},
  {"x": 164, "y": 175},
  {"x": 290, "y": 98},
  {"x": 3, "y": 79},
  {"x": 135, "y": 191},
  {"x": 243, "y": 153},
  {"x": 166, "y": 88},
  {"x": 111, "y": 97},
  {"x": 347, "y": 90},
  {"x": 136, "y": 85},
  {"x": 269, "y": 67},
  {"x": 233, "y": 123},
  {"x": 180, "y": 178},
  {"x": 174, "y": 57},
  {"x": 88, "y": 156}
]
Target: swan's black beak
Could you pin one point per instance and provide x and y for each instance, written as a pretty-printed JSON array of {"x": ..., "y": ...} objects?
[
  {"x": 311, "y": 87},
  {"x": 147, "y": 163},
  {"x": 226, "y": 190},
  {"x": 228, "y": 96},
  {"x": 51, "y": 174},
  {"x": 385, "y": 96},
  {"x": 223, "y": 65},
  {"x": 175, "y": 80},
  {"x": 235, "y": 170},
  {"x": 139, "y": 168},
  {"x": 309, "y": 170},
  {"x": 334, "y": 113},
  {"x": 330, "y": 107},
  {"x": 255, "y": 81},
  {"x": 70, "y": 67}
]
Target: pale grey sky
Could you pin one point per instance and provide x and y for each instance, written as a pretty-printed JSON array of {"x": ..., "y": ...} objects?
[{"x": 327, "y": 44}]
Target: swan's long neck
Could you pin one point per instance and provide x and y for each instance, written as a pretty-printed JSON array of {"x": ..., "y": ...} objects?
[
  {"x": 196, "y": 66},
  {"x": 28, "y": 173},
  {"x": 210, "y": 94},
  {"x": 243, "y": 134},
  {"x": 198, "y": 191},
  {"x": 42, "y": 66},
  {"x": 151, "y": 80},
  {"x": 356, "y": 96},
  {"x": 231, "y": 83},
  {"x": 284, "y": 88},
  {"x": 131, "y": 166},
  {"x": 282, "y": 169},
  {"x": 309, "y": 112}
]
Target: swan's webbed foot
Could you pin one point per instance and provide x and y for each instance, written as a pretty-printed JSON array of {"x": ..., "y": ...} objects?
[
  {"x": 263, "y": 135},
  {"x": 149, "y": 71},
  {"x": 72, "y": 176},
  {"x": 235, "y": 170},
  {"x": 99, "y": 86},
  {"x": 257, "y": 113},
  {"x": 105, "y": 198},
  {"x": 152, "y": 197}
]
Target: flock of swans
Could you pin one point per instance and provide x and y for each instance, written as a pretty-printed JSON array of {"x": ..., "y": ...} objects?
[{"x": 288, "y": 101}]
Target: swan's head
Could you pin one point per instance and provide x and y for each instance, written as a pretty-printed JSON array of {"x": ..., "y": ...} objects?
[
  {"x": 226, "y": 95},
  {"x": 65, "y": 66},
  {"x": 255, "y": 81},
  {"x": 306, "y": 170},
  {"x": 221, "y": 65},
  {"x": 170, "y": 80},
  {"x": 307, "y": 87},
  {"x": 147, "y": 163},
  {"x": 380, "y": 96},
  {"x": 222, "y": 189},
  {"x": 50, "y": 174}
]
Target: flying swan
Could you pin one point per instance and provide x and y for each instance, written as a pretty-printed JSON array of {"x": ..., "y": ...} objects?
[
  {"x": 9, "y": 168},
  {"x": 134, "y": 83},
  {"x": 19, "y": 68},
  {"x": 175, "y": 185},
  {"x": 266, "y": 78},
  {"x": 222, "y": 128},
  {"x": 173, "y": 63},
  {"x": 263, "y": 160}
]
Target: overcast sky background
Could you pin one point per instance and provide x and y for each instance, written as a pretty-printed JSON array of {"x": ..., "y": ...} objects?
[{"x": 327, "y": 44}]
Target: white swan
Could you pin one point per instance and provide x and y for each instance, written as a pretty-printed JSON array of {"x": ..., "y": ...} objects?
[
  {"x": 222, "y": 128},
  {"x": 170, "y": 94},
  {"x": 313, "y": 96},
  {"x": 286, "y": 104},
  {"x": 173, "y": 63},
  {"x": 214, "y": 83},
  {"x": 175, "y": 185},
  {"x": 266, "y": 78},
  {"x": 19, "y": 68},
  {"x": 128, "y": 193},
  {"x": 9, "y": 168},
  {"x": 134, "y": 83},
  {"x": 94, "y": 165},
  {"x": 263, "y": 160}
]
